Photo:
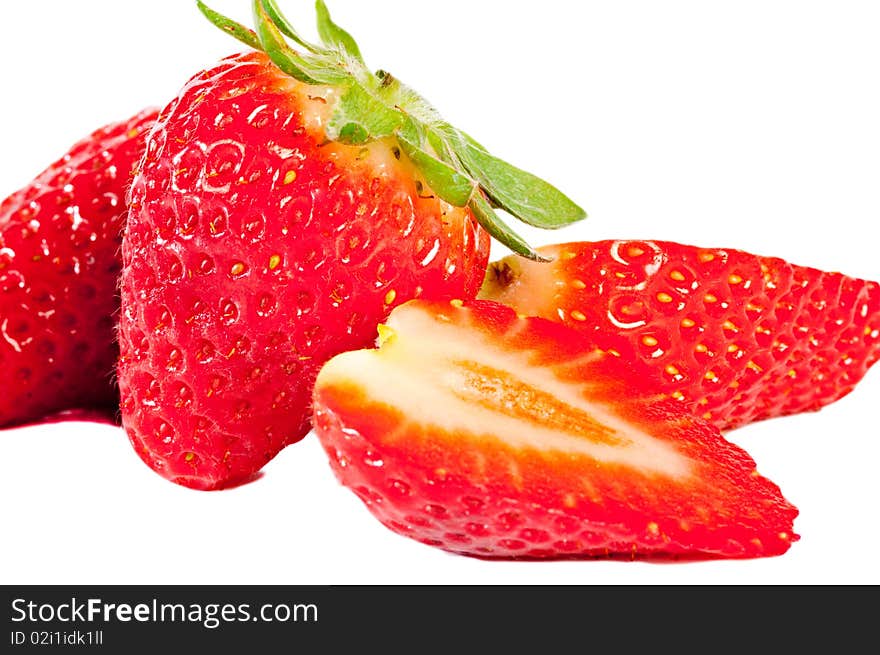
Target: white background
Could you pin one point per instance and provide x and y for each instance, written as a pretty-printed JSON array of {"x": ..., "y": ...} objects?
[{"x": 751, "y": 125}]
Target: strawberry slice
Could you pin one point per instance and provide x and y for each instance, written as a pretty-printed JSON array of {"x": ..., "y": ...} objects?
[
  {"x": 489, "y": 435},
  {"x": 735, "y": 337}
]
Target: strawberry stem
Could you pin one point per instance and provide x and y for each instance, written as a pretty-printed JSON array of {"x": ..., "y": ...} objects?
[{"x": 377, "y": 106}]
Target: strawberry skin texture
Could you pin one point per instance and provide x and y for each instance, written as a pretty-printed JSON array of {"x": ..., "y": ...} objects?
[
  {"x": 257, "y": 250},
  {"x": 735, "y": 337},
  {"x": 494, "y": 436},
  {"x": 59, "y": 265}
]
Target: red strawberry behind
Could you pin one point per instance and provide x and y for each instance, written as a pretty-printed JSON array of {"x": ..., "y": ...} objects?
[
  {"x": 735, "y": 337},
  {"x": 287, "y": 202},
  {"x": 501, "y": 437},
  {"x": 59, "y": 266}
]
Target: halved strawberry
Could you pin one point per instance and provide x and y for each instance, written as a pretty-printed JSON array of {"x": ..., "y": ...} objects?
[
  {"x": 735, "y": 337},
  {"x": 489, "y": 435}
]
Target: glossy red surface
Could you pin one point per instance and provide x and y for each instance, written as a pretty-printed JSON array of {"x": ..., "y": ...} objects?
[
  {"x": 256, "y": 251},
  {"x": 59, "y": 269},
  {"x": 484, "y": 493},
  {"x": 736, "y": 337}
]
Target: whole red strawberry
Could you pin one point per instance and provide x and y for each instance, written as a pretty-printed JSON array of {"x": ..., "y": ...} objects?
[
  {"x": 735, "y": 337},
  {"x": 59, "y": 266},
  {"x": 489, "y": 435},
  {"x": 287, "y": 202}
]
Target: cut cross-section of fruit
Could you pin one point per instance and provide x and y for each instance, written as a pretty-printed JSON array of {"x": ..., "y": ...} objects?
[{"x": 491, "y": 435}]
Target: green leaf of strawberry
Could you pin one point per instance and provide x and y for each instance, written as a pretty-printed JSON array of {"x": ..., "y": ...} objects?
[
  {"x": 301, "y": 67},
  {"x": 334, "y": 36},
  {"x": 271, "y": 7},
  {"x": 454, "y": 187},
  {"x": 360, "y": 117},
  {"x": 522, "y": 194},
  {"x": 234, "y": 29},
  {"x": 377, "y": 106}
]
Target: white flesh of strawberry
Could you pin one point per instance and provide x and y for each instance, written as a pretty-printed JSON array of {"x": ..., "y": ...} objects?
[
  {"x": 426, "y": 369},
  {"x": 543, "y": 282}
]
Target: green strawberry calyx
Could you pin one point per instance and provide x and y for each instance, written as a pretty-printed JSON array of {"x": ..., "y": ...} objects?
[{"x": 375, "y": 106}]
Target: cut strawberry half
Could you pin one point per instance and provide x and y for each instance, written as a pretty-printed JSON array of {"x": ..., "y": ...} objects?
[
  {"x": 494, "y": 436},
  {"x": 734, "y": 337}
]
